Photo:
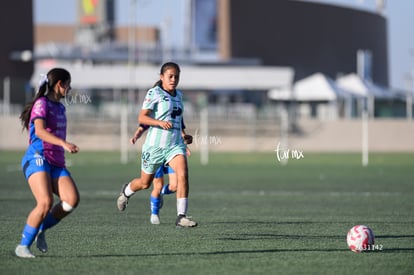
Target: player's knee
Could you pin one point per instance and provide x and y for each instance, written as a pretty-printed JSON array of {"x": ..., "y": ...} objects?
[
  {"x": 146, "y": 185},
  {"x": 44, "y": 206},
  {"x": 157, "y": 185},
  {"x": 157, "y": 182}
]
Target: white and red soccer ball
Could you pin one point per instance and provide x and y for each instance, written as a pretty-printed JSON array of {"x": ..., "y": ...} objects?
[{"x": 360, "y": 238}]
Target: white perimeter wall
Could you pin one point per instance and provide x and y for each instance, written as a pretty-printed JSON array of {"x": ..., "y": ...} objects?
[{"x": 316, "y": 136}]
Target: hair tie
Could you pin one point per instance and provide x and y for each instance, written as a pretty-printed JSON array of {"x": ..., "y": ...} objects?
[{"x": 43, "y": 80}]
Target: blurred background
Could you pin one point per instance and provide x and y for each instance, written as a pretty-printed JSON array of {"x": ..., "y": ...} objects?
[{"x": 314, "y": 76}]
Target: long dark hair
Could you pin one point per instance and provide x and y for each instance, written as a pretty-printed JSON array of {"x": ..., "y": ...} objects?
[
  {"x": 52, "y": 77},
  {"x": 165, "y": 67}
]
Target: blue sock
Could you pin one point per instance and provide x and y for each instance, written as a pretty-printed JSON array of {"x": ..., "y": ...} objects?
[
  {"x": 155, "y": 205},
  {"x": 28, "y": 235},
  {"x": 48, "y": 222},
  {"x": 165, "y": 190}
]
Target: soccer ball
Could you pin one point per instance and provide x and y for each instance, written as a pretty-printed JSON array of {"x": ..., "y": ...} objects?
[{"x": 360, "y": 238}]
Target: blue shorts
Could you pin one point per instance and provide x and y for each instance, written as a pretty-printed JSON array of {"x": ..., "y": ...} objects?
[
  {"x": 162, "y": 170},
  {"x": 34, "y": 165}
]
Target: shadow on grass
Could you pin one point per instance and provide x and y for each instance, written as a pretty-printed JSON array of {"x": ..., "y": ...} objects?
[
  {"x": 229, "y": 252},
  {"x": 235, "y": 252},
  {"x": 397, "y": 250},
  {"x": 394, "y": 236},
  {"x": 301, "y": 222},
  {"x": 247, "y": 237},
  {"x": 244, "y": 237},
  {"x": 232, "y": 252}
]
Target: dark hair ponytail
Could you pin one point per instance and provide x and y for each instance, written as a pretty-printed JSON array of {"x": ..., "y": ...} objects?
[
  {"x": 158, "y": 83},
  {"x": 165, "y": 67},
  {"x": 47, "y": 85}
]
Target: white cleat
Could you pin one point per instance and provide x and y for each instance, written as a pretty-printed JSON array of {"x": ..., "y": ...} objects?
[
  {"x": 41, "y": 242},
  {"x": 23, "y": 251},
  {"x": 155, "y": 219},
  {"x": 122, "y": 201},
  {"x": 185, "y": 221}
]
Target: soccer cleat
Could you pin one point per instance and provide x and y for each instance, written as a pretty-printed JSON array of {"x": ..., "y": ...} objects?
[
  {"x": 185, "y": 221},
  {"x": 155, "y": 219},
  {"x": 122, "y": 201},
  {"x": 41, "y": 242},
  {"x": 23, "y": 251}
]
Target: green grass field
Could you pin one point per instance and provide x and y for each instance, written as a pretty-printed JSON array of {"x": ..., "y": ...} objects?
[{"x": 255, "y": 216}]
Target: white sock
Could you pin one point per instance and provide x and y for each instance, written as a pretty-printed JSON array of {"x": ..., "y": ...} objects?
[
  {"x": 182, "y": 204},
  {"x": 128, "y": 192}
]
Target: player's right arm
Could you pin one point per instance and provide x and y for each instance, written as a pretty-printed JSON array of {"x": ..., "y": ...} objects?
[{"x": 145, "y": 118}]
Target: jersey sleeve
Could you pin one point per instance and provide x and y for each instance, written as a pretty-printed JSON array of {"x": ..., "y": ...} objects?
[
  {"x": 39, "y": 109},
  {"x": 150, "y": 100},
  {"x": 144, "y": 126}
]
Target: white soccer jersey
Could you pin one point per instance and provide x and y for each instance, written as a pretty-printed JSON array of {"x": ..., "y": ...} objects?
[{"x": 164, "y": 107}]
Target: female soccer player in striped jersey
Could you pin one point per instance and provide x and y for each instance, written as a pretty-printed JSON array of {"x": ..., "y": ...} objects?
[
  {"x": 162, "y": 110},
  {"x": 159, "y": 190},
  {"x": 44, "y": 161}
]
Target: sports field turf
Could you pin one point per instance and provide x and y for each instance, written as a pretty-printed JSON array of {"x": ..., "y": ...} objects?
[{"x": 255, "y": 216}]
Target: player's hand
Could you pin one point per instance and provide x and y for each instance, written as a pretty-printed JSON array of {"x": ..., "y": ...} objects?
[
  {"x": 133, "y": 140},
  {"x": 188, "y": 139},
  {"x": 165, "y": 125},
  {"x": 70, "y": 147},
  {"x": 137, "y": 135}
]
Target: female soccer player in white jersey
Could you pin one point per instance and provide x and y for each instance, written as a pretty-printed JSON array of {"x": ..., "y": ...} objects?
[
  {"x": 159, "y": 189},
  {"x": 44, "y": 161},
  {"x": 162, "y": 110}
]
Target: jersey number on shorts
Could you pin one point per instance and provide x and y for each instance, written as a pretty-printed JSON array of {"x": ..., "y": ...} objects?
[{"x": 145, "y": 156}]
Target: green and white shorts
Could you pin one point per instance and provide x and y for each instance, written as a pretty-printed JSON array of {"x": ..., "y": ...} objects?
[{"x": 153, "y": 157}]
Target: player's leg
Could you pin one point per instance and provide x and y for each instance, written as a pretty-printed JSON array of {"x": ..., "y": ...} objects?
[
  {"x": 179, "y": 164},
  {"x": 160, "y": 189},
  {"x": 65, "y": 188},
  {"x": 135, "y": 185},
  {"x": 156, "y": 198},
  {"x": 151, "y": 160},
  {"x": 171, "y": 187},
  {"x": 41, "y": 188}
]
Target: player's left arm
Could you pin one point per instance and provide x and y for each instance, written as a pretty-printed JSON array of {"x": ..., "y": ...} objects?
[{"x": 138, "y": 133}]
